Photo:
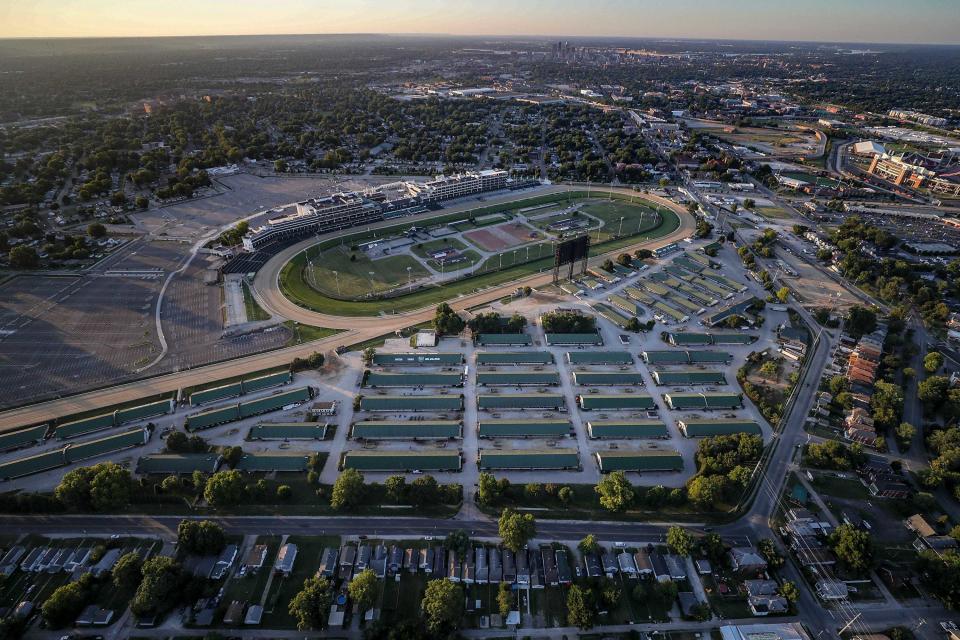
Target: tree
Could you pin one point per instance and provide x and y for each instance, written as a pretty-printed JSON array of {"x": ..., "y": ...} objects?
[
  {"x": 96, "y": 230},
  {"x": 488, "y": 489},
  {"x": 933, "y": 391},
  {"x": 932, "y": 362},
  {"x": 624, "y": 260},
  {"x": 363, "y": 589},
  {"x": 442, "y": 606},
  {"x": 505, "y": 599},
  {"x": 348, "y": 490},
  {"x": 311, "y": 606},
  {"x": 565, "y": 495},
  {"x": 769, "y": 369},
  {"x": 853, "y": 547},
  {"x": 110, "y": 487},
  {"x": 24, "y": 257},
  {"x": 516, "y": 529},
  {"x": 679, "y": 541},
  {"x": 581, "y": 608},
  {"x": 643, "y": 254},
  {"x": 232, "y": 456},
  {"x": 713, "y": 547},
  {"x": 768, "y": 550},
  {"x": 126, "y": 574},
  {"x": 446, "y": 321},
  {"x": 202, "y": 537},
  {"x": 783, "y": 294},
  {"x": 162, "y": 577},
  {"x": 860, "y": 321},
  {"x": 396, "y": 487},
  {"x": 706, "y": 490},
  {"x": 142, "y": 202},
  {"x": 424, "y": 490},
  {"x": 790, "y": 591},
  {"x": 905, "y": 432},
  {"x": 616, "y": 492},
  {"x": 589, "y": 544},
  {"x": 67, "y": 601},
  {"x": 749, "y": 203},
  {"x": 225, "y": 489},
  {"x": 457, "y": 541}
]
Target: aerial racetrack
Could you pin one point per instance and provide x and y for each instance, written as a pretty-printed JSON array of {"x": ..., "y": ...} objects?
[{"x": 504, "y": 243}]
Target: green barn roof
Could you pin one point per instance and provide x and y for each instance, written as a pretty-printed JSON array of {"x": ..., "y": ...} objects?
[
  {"x": 707, "y": 428},
  {"x": 627, "y": 429},
  {"x": 646, "y": 460},
  {"x": 265, "y": 382},
  {"x": 513, "y": 339},
  {"x": 23, "y": 437},
  {"x": 382, "y": 379},
  {"x": 599, "y": 357},
  {"x": 514, "y": 357},
  {"x": 288, "y": 431},
  {"x": 232, "y": 390},
  {"x": 274, "y": 402},
  {"x": 574, "y": 338},
  {"x": 685, "y": 357},
  {"x": 449, "y": 402},
  {"x": 85, "y": 426},
  {"x": 524, "y": 428},
  {"x": 529, "y": 459},
  {"x": 546, "y": 401},
  {"x": 689, "y": 377},
  {"x": 409, "y": 430},
  {"x": 417, "y": 359},
  {"x": 32, "y": 464},
  {"x": 703, "y": 400},
  {"x": 607, "y": 378},
  {"x": 177, "y": 463},
  {"x": 516, "y": 378},
  {"x": 212, "y": 417},
  {"x": 275, "y": 461},
  {"x": 433, "y": 460},
  {"x": 625, "y": 402},
  {"x": 102, "y": 446}
]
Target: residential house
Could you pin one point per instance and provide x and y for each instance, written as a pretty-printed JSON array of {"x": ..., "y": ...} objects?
[
  {"x": 747, "y": 560},
  {"x": 285, "y": 559}
]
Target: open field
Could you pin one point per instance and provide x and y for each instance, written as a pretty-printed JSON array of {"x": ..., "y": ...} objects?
[
  {"x": 423, "y": 250},
  {"x": 353, "y": 272}
]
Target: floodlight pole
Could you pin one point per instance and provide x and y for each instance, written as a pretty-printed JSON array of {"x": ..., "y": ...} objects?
[{"x": 336, "y": 276}]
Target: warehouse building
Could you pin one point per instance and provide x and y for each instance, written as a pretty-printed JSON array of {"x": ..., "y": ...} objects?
[
  {"x": 574, "y": 339},
  {"x": 607, "y": 378},
  {"x": 529, "y": 459},
  {"x": 408, "y": 430},
  {"x": 521, "y": 401},
  {"x": 496, "y": 358},
  {"x": 625, "y": 402},
  {"x": 86, "y": 426},
  {"x": 518, "y": 378},
  {"x": 627, "y": 429},
  {"x": 374, "y": 379},
  {"x": 503, "y": 339},
  {"x": 688, "y": 377},
  {"x": 417, "y": 359},
  {"x": 599, "y": 357},
  {"x": 524, "y": 428},
  {"x": 686, "y": 357},
  {"x": 435, "y": 460},
  {"x": 703, "y": 401},
  {"x": 73, "y": 453},
  {"x": 288, "y": 431},
  {"x": 402, "y": 404},
  {"x": 709, "y": 428},
  {"x": 232, "y": 412},
  {"x": 178, "y": 464},
  {"x": 649, "y": 460}
]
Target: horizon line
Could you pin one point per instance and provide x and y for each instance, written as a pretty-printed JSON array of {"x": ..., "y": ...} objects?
[{"x": 477, "y": 35}]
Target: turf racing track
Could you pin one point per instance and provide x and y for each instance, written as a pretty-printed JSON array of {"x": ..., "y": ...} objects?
[{"x": 354, "y": 329}]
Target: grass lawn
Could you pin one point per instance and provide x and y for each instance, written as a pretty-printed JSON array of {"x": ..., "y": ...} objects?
[
  {"x": 296, "y": 288},
  {"x": 254, "y": 311},
  {"x": 352, "y": 278},
  {"x": 637, "y": 219},
  {"x": 841, "y": 487},
  {"x": 309, "y": 549},
  {"x": 481, "y": 221},
  {"x": 775, "y": 213},
  {"x": 422, "y": 251},
  {"x": 307, "y": 333},
  {"x": 401, "y": 600},
  {"x": 250, "y": 587}
]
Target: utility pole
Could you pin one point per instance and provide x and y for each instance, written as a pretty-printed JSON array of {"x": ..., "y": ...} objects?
[{"x": 852, "y": 620}]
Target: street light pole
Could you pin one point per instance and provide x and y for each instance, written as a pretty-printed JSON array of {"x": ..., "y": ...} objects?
[
  {"x": 620, "y": 229},
  {"x": 371, "y": 273},
  {"x": 336, "y": 276},
  {"x": 408, "y": 277}
]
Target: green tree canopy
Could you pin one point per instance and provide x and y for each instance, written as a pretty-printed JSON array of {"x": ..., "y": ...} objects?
[
  {"x": 442, "y": 606},
  {"x": 615, "y": 491},
  {"x": 516, "y": 529},
  {"x": 348, "y": 490},
  {"x": 311, "y": 606}
]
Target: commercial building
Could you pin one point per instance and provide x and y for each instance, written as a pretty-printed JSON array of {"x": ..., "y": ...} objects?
[
  {"x": 460, "y": 185},
  {"x": 902, "y": 172},
  {"x": 314, "y": 216}
]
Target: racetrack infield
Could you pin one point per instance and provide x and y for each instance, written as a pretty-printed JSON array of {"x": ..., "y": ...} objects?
[{"x": 294, "y": 287}]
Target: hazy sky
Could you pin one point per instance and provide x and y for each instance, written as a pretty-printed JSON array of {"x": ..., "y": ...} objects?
[{"x": 830, "y": 20}]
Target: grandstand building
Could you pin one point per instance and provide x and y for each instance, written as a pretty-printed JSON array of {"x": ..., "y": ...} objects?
[
  {"x": 901, "y": 172},
  {"x": 351, "y": 209}
]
